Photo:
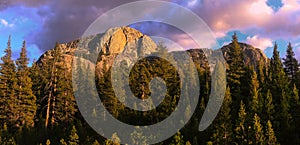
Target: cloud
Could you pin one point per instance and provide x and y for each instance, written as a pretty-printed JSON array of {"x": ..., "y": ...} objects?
[
  {"x": 5, "y": 23},
  {"x": 66, "y": 20},
  {"x": 261, "y": 43},
  {"x": 192, "y": 3},
  {"x": 252, "y": 17},
  {"x": 30, "y": 3}
]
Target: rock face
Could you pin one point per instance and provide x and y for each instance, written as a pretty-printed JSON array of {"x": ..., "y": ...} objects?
[
  {"x": 132, "y": 44},
  {"x": 127, "y": 40},
  {"x": 252, "y": 55}
]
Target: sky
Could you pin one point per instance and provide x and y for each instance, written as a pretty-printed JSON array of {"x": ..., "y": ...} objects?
[{"x": 41, "y": 23}]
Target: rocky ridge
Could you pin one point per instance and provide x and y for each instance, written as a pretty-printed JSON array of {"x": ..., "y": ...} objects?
[{"x": 133, "y": 44}]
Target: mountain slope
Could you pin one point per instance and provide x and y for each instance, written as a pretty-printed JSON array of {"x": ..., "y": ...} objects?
[{"x": 134, "y": 43}]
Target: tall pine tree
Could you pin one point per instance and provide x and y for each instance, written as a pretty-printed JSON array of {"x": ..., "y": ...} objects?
[
  {"x": 222, "y": 132},
  {"x": 241, "y": 129},
  {"x": 26, "y": 98},
  {"x": 236, "y": 68},
  {"x": 8, "y": 84},
  {"x": 257, "y": 131},
  {"x": 270, "y": 134},
  {"x": 291, "y": 66},
  {"x": 279, "y": 87}
]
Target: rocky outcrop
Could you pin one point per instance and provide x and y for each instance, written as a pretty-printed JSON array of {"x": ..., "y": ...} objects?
[
  {"x": 132, "y": 43},
  {"x": 252, "y": 55},
  {"x": 129, "y": 41}
]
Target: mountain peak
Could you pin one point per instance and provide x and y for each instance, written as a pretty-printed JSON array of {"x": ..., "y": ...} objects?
[{"x": 251, "y": 54}]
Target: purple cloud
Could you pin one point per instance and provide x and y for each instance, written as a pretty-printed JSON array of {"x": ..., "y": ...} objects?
[{"x": 66, "y": 20}]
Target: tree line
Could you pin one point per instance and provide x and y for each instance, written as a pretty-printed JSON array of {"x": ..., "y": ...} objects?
[{"x": 261, "y": 104}]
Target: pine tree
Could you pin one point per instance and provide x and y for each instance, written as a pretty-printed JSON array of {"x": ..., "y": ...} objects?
[
  {"x": 65, "y": 100},
  {"x": 241, "y": 131},
  {"x": 270, "y": 134},
  {"x": 236, "y": 76},
  {"x": 62, "y": 142},
  {"x": 269, "y": 106},
  {"x": 295, "y": 112},
  {"x": 58, "y": 99},
  {"x": 236, "y": 68},
  {"x": 277, "y": 77},
  {"x": 73, "y": 137},
  {"x": 177, "y": 139},
  {"x": 261, "y": 72},
  {"x": 26, "y": 98},
  {"x": 291, "y": 65},
  {"x": 50, "y": 89},
  {"x": 255, "y": 103},
  {"x": 222, "y": 132},
  {"x": 278, "y": 84},
  {"x": 8, "y": 84},
  {"x": 96, "y": 143},
  {"x": 258, "y": 133},
  {"x": 115, "y": 140}
]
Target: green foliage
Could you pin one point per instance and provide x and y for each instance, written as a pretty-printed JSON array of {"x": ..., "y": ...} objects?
[
  {"x": 257, "y": 131},
  {"x": 96, "y": 143},
  {"x": 241, "y": 129},
  {"x": 62, "y": 142},
  {"x": 177, "y": 139},
  {"x": 8, "y": 100},
  {"x": 269, "y": 106},
  {"x": 222, "y": 133},
  {"x": 255, "y": 103},
  {"x": 115, "y": 140},
  {"x": 291, "y": 65},
  {"x": 270, "y": 134},
  {"x": 26, "y": 98},
  {"x": 73, "y": 137},
  {"x": 37, "y": 102},
  {"x": 236, "y": 67}
]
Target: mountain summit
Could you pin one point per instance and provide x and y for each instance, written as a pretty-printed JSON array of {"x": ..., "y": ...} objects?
[{"x": 133, "y": 42}]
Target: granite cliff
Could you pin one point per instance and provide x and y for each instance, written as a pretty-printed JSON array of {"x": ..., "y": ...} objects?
[{"x": 133, "y": 43}]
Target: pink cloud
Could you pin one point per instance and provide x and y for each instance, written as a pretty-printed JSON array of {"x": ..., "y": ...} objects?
[
  {"x": 223, "y": 16},
  {"x": 261, "y": 43},
  {"x": 185, "y": 41}
]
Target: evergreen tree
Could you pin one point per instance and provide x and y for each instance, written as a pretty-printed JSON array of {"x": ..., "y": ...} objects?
[
  {"x": 222, "y": 132},
  {"x": 62, "y": 142},
  {"x": 257, "y": 132},
  {"x": 177, "y": 139},
  {"x": 236, "y": 68},
  {"x": 48, "y": 101},
  {"x": 8, "y": 84},
  {"x": 280, "y": 93},
  {"x": 255, "y": 103},
  {"x": 96, "y": 143},
  {"x": 241, "y": 131},
  {"x": 73, "y": 137},
  {"x": 115, "y": 140},
  {"x": 261, "y": 72},
  {"x": 58, "y": 102},
  {"x": 291, "y": 65},
  {"x": 277, "y": 77},
  {"x": 65, "y": 102},
  {"x": 236, "y": 76},
  {"x": 26, "y": 98},
  {"x": 270, "y": 134},
  {"x": 269, "y": 106},
  {"x": 295, "y": 112}
]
